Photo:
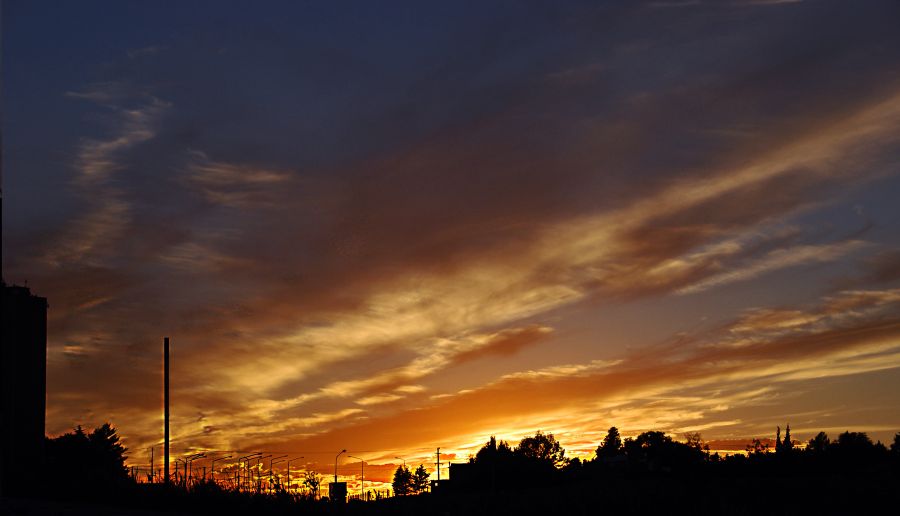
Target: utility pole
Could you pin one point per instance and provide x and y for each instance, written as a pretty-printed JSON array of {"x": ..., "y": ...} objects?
[
  {"x": 439, "y": 464},
  {"x": 166, "y": 401},
  {"x": 362, "y": 476},
  {"x": 151, "y": 464}
]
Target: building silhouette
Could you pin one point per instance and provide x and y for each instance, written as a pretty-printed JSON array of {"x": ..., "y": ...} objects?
[
  {"x": 337, "y": 491},
  {"x": 23, "y": 396}
]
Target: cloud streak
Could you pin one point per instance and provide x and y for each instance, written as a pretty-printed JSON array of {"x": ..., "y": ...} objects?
[
  {"x": 648, "y": 389},
  {"x": 107, "y": 217},
  {"x": 231, "y": 185}
]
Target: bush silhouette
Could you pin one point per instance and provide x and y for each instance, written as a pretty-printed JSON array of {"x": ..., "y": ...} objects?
[{"x": 90, "y": 464}]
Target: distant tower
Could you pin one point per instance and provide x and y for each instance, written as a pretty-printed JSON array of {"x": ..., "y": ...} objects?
[{"x": 24, "y": 389}]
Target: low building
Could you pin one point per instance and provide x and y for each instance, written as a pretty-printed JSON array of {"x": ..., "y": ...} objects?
[{"x": 337, "y": 491}]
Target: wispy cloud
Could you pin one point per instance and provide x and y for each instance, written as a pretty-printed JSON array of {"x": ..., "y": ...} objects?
[
  {"x": 196, "y": 257},
  {"x": 233, "y": 185},
  {"x": 105, "y": 93},
  {"x": 88, "y": 238},
  {"x": 776, "y": 260},
  {"x": 657, "y": 389}
]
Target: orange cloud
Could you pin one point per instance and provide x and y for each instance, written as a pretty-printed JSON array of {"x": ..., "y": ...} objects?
[{"x": 592, "y": 396}]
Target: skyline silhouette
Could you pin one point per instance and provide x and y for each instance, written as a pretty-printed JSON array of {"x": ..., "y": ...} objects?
[{"x": 635, "y": 475}]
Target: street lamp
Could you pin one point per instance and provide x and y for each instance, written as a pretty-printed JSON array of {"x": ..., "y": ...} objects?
[
  {"x": 289, "y": 470},
  {"x": 272, "y": 463},
  {"x": 213, "y": 466},
  {"x": 404, "y": 461},
  {"x": 335, "y": 464},
  {"x": 259, "y": 470},
  {"x": 362, "y": 476},
  {"x": 189, "y": 460},
  {"x": 247, "y": 458},
  {"x": 184, "y": 470}
]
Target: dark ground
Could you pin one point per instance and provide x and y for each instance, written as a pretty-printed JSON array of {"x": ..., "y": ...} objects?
[{"x": 627, "y": 494}]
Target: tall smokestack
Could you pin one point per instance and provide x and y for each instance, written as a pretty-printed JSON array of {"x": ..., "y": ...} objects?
[{"x": 166, "y": 402}]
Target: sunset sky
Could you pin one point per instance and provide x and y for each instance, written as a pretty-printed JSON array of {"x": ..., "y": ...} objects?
[{"x": 388, "y": 227}]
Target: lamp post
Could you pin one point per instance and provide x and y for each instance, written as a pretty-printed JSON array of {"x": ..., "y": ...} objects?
[
  {"x": 259, "y": 470},
  {"x": 272, "y": 463},
  {"x": 184, "y": 471},
  {"x": 191, "y": 465},
  {"x": 404, "y": 461},
  {"x": 289, "y": 470},
  {"x": 188, "y": 461},
  {"x": 247, "y": 458},
  {"x": 335, "y": 464},
  {"x": 362, "y": 476},
  {"x": 213, "y": 466}
]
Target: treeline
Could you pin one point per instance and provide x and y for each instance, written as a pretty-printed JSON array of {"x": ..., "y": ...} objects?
[
  {"x": 540, "y": 460},
  {"x": 650, "y": 472}
]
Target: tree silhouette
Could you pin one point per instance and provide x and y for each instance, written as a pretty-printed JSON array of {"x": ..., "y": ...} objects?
[
  {"x": 652, "y": 439},
  {"x": 694, "y": 440},
  {"x": 573, "y": 465},
  {"x": 492, "y": 451},
  {"x": 109, "y": 452},
  {"x": 783, "y": 445},
  {"x": 611, "y": 444},
  {"x": 819, "y": 443},
  {"x": 757, "y": 447},
  {"x": 493, "y": 462},
  {"x": 787, "y": 445},
  {"x": 313, "y": 481},
  {"x": 403, "y": 481},
  {"x": 656, "y": 450},
  {"x": 542, "y": 447},
  {"x": 420, "y": 479},
  {"x": 895, "y": 446},
  {"x": 854, "y": 442},
  {"x": 93, "y": 462}
]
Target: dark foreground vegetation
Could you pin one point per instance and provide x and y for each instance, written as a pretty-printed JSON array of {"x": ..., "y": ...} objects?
[{"x": 649, "y": 474}]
